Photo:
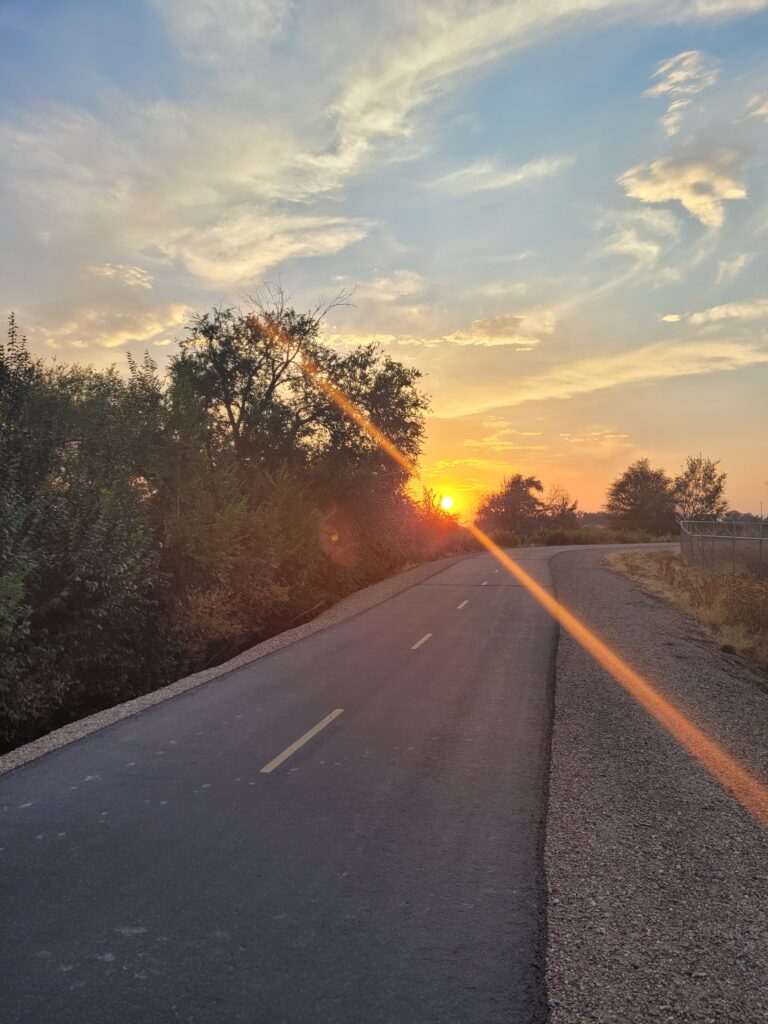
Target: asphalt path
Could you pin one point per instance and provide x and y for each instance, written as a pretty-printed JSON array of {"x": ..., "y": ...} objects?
[{"x": 208, "y": 860}]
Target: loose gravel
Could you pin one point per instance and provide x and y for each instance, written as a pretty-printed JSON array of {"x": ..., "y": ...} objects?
[
  {"x": 345, "y": 609},
  {"x": 658, "y": 878}
]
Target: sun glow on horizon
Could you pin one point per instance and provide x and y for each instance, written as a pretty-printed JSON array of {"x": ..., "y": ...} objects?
[
  {"x": 447, "y": 503},
  {"x": 746, "y": 788}
]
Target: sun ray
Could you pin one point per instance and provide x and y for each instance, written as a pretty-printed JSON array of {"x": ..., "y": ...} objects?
[{"x": 748, "y": 790}]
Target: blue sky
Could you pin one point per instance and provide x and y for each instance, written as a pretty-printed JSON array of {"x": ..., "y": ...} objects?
[{"x": 557, "y": 211}]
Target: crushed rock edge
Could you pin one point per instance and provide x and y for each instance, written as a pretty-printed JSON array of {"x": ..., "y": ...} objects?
[{"x": 347, "y": 608}]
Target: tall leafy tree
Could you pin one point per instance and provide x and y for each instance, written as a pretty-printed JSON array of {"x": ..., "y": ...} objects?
[
  {"x": 515, "y": 506},
  {"x": 699, "y": 489},
  {"x": 642, "y": 499}
]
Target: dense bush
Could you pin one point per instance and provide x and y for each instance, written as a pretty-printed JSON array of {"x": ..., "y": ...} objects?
[{"x": 150, "y": 525}]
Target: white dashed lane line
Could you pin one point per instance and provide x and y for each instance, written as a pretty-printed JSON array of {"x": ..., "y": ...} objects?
[
  {"x": 423, "y": 640},
  {"x": 460, "y": 606}
]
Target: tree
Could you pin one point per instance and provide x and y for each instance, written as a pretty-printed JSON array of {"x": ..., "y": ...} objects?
[
  {"x": 699, "y": 490},
  {"x": 515, "y": 506},
  {"x": 256, "y": 375},
  {"x": 150, "y": 526},
  {"x": 559, "y": 510},
  {"x": 642, "y": 499}
]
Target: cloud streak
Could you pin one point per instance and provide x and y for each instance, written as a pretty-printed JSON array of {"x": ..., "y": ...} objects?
[
  {"x": 749, "y": 311},
  {"x": 680, "y": 79},
  {"x": 523, "y": 332},
  {"x": 213, "y": 30},
  {"x": 490, "y": 175},
  {"x": 655, "y": 362},
  {"x": 103, "y": 328},
  {"x": 246, "y": 242}
]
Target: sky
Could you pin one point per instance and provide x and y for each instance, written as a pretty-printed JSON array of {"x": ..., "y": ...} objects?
[{"x": 557, "y": 211}]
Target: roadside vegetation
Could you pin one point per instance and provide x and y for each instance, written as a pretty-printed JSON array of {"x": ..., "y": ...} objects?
[
  {"x": 732, "y": 606},
  {"x": 152, "y": 525}
]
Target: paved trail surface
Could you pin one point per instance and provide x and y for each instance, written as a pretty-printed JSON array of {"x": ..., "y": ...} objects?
[
  {"x": 350, "y": 830},
  {"x": 387, "y": 871}
]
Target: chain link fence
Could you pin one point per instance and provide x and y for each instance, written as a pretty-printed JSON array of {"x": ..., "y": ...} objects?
[{"x": 726, "y": 546}]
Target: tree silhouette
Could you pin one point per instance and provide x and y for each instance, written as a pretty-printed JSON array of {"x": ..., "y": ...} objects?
[
  {"x": 699, "y": 490},
  {"x": 642, "y": 499}
]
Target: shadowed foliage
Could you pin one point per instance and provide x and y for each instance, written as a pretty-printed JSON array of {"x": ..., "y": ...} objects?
[
  {"x": 516, "y": 513},
  {"x": 642, "y": 498},
  {"x": 151, "y": 525}
]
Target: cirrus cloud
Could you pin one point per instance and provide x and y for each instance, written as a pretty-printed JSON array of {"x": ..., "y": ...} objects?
[
  {"x": 681, "y": 78},
  {"x": 247, "y": 241},
  {"x": 750, "y": 310},
  {"x": 213, "y": 29},
  {"x": 488, "y": 175}
]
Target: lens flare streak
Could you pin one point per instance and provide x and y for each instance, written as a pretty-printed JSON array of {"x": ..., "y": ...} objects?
[
  {"x": 745, "y": 787},
  {"x": 751, "y": 793}
]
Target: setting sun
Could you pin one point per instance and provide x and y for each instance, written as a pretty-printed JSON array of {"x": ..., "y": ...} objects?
[{"x": 446, "y": 502}]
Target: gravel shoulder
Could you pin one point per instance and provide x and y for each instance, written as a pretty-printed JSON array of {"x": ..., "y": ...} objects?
[
  {"x": 347, "y": 608},
  {"x": 657, "y": 877}
]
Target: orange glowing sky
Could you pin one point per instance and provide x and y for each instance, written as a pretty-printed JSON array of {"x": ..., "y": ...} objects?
[{"x": 558, "y": 212}]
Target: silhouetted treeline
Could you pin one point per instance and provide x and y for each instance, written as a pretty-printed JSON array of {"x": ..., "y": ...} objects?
[
  {"x": 643, "y": 498},
  {"x": 151, "y": 525},
  {"x": 641, "y": 504},
  {"x": 519, "y": 512}
]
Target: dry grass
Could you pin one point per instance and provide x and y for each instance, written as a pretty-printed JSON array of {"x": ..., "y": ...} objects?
[{"x": 733, "y": 606}]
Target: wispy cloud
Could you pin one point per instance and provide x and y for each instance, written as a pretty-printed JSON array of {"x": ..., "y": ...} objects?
[
  {"x": 600, "y": 442},
  {"x": 522, "y": 331},
  {"x": 244, "y": 243},
  {"x": 104, "y": 328},
  {"x": 400, "y": 284},
  {"x": 754, "y": 309},
  {"x": 502, "y": 289},
  {"x": 503, "y": 440},
  {"x": 133, "y": 277},
  {"x": 487, "y": 175},
  {"x": 645, "y": 235},
  {"x": 680, "y": 79},
  {"x": 654, "y": 362},
  {"x": 758, "y": 105},
  {"x": 243, "y": 166},
  {"x": 700, "y": 184},
  {"x": 730, "y": 268},
  {"x": 210, "y": 30}
]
